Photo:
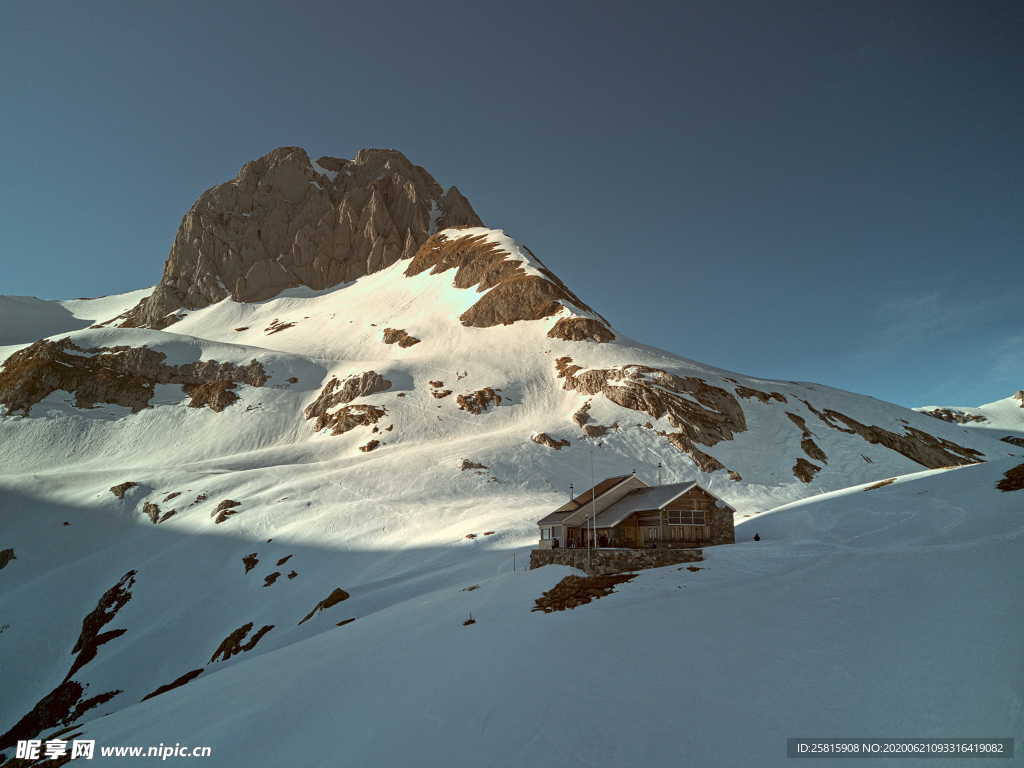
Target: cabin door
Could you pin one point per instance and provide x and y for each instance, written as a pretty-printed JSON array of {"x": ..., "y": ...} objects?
[{"x": 651, "y": 534}]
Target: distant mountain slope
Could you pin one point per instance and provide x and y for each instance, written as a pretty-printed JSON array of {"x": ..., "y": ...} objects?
[
  {"x": 23, "y": 319},
  {"x": 1003, "y": 418}
]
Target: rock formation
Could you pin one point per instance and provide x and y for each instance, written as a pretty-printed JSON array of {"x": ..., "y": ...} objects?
[
  {"x": 510, "y": 292},
  {"x": 284, "y": 221},
  {"x": 119, "y": 375}
]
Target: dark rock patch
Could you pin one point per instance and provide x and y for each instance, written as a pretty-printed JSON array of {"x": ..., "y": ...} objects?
[
  {"x": 337, "y": 596},
  {"x": 804, "y": 471},
  {"x": 955, "y": 416},
  {"x": 224, "y": 510},
  {"x": 478, "y": 402},
  {"x": 581, "y": 329},
  {"x": 122, "y": 375},
  {"x": 543, "y": 438},
  {"x": 1013, "y": 479},
  {"x": 232, "y": 644},
  {"x": 573, "y": 591},
  {"x": 250, "y": 561},
  {"x": 6, "y": 555},
  {"x": 177, "y": 683},
  {"x": 764, "y": 397},
  {"x": 400, "y": 337},
  {"x": 120, "y": 490},
  {"x": 919, "y": 446},
  {"x": 715, "y": 416}
]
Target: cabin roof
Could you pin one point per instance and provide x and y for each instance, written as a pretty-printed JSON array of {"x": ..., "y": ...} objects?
[
  {"x": 641, "y": 500},
  {"x": 583, "y": 498}
]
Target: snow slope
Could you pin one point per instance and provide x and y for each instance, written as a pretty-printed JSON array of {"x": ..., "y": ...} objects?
[
  {"x": 390, "y": 526},
  {"x": 23, "y": 319},
  {"x": 881, "y": 612}
]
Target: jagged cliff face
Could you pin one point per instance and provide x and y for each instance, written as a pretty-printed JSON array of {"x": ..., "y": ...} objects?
[{"x": 285, "y": 221}]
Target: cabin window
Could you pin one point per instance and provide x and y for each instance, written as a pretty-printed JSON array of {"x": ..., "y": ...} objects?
[
  {"x": 545, "y": 534},
  {"x": 686, "y": 517}
]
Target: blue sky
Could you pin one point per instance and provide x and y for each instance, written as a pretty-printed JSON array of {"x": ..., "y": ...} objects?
[{"x": 798, "y": 190}]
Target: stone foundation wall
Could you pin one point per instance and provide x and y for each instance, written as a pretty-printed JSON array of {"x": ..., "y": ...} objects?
[{"x": 605, "y": 561}]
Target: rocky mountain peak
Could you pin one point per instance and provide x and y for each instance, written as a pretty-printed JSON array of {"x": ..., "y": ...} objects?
[{"x": 285, "y": 221}]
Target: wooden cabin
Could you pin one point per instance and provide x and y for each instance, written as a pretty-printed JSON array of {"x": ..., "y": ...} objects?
[{"x": 625, "y": 512}]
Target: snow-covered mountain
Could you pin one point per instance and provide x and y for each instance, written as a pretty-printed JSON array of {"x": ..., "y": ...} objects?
[{"x": 200, "y": 484}]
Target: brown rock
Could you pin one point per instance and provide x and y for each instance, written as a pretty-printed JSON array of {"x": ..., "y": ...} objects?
[
  {"x": 953, "y": 415},
  {"x": 764, "y": 397},
  {"x": 177, "y": 683},
  {"x": 715, "y": 416},
  {"x": 917, "y": 445},
  {"x": 224, "y": 510},
  {"x": 6, "y": 555},
  {"x": 400, "y": 337},
  {"x": 283, "y": 222},
  {"x": 804, "y": 470},
  {"x": 119, "y": 375},
  {"x": 232, "y": 644},
  {"x": 543, "y": 438},
  {"x": 336, "y": 392},
  {"x": 334, "y": 598},
  {"x": 152, "y": 511},
  {"x": 1013, "y": 479},
  {"x": 478, "y": 402},
  {"x": 581, "y": 329},
  {"x": 120, "y": 490},
  {"x": 509, "y": 293},
  {"x": 370, "y": 446},
  {"x": 467, "y": 464}
]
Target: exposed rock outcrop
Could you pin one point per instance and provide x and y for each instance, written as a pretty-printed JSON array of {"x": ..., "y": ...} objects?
[
  {"x": 346, "y": 418},
  {"x": 510, "y": 292},
  {"x": 543, "y": 438},
  {"x": 478, "y": 402},
  {"x": 232, "y": 644},
  {"x": 177, "y": 683},
  {"x": 119, "y": 375},
  {"x": 1013, "y": 479},
  {"x": 1019, "y": 441},
  {"x": 336, "y": 393},
  {"x": 121, "y": 489},
  {"x": 370, "y": 446},
  {"x": 467, "y": 464},
  {"x": 90, "y": 638},
  {"x": 807, "y": 437},
  {"x": 6, "y": 555},
  {"x": 927, "y": 450},
  {"x": 804, "y": 470},
  {"x": 250, "y": 561},
  {"x": 581, "y": 329},
  {"x": 573, "y": 591},
  {"x": 284, "y": 221},
  {"x": 764, "y": 397},
  {"x": 224, "y": 510},
  {"x": 953, "y": 415},
  {"x": 152, "y": 511},
  {"x": 702, "y": 413},
  {"x": 336, "y": 596},
  {"x": 400, "y": 337}
]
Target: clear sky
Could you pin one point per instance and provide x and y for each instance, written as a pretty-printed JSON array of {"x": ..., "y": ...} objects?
[{"x": 824, "y": 191}]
